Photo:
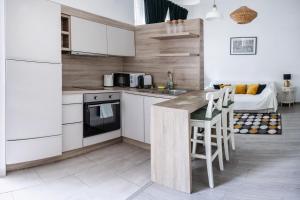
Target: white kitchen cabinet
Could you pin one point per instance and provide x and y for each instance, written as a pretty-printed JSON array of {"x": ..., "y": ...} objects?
[
  {"x": 88, "y": 37},
  {"x": 72, "y": 128},
  {"x": 33, "y": 31},
  {"x": 72, "y": 113},
  {"x": 33, "y": 149},
  {"x": 136, "y": 113},
  {"x": 33, "y": 100},
  {"x": 148, "y": 102},
  {"x": 72, "y": 99},
  {"x": 133, "y": 116},
  {"x": 120, "y": 42},
  {"x": 72, "y": 136}
]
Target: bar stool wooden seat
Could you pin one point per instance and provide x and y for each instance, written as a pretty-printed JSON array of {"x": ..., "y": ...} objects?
[
  {"x": 227, "y": 120},
  {"x": 206, "y": 118}
]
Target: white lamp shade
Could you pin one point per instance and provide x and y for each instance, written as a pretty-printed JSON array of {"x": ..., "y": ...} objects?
[
  {"x": 187, "y": 2},
  {"x": 213, "y": 14}
]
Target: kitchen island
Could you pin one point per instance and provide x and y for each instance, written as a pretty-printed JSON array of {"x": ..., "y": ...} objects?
[{"x": 171, "y": 140}]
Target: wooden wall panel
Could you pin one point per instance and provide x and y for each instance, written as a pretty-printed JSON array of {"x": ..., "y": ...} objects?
[
  {"x": 188, "y": 71},
  {"x": 81, "y": 71}
]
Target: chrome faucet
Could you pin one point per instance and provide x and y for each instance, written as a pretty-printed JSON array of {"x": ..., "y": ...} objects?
[{"x": 170, "y": 83}]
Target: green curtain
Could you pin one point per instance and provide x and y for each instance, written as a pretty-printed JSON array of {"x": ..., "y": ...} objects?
[
  {"x": 156, "y": 11},
  {"x": 177, "y": 12}
]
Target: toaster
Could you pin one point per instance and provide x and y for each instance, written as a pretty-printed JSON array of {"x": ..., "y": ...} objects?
[
  {"x": 108, "y": 80},
  {"x": 147, "y": 81}
]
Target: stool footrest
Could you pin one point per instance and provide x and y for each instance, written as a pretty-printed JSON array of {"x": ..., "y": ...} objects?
[{"x": 200, "y": 156}]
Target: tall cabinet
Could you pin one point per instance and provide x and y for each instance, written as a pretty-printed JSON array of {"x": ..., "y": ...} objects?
[
  {"x": 33, "y": 31},
  {"x": 33, "y": 80}
]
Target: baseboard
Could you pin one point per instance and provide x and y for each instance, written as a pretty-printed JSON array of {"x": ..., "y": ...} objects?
[
  {"x": 64, "y": 156},
  {"x": 255, "y": 111},
  {"x": 136, "y": 143}
]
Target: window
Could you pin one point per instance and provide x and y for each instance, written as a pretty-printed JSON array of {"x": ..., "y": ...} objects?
[{"x": 139, "y": 12}]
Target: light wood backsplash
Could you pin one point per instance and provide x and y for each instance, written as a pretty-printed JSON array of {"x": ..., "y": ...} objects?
[
  {"x": 80, "y": 71},
  {"x": 188, "y": 71}
]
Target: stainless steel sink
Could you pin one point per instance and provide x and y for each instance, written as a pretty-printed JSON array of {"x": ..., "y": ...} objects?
[{"x": 176, "y": 92}]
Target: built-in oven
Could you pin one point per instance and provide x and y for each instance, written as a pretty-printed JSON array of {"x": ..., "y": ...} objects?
[{"x": 101, "y": 113}]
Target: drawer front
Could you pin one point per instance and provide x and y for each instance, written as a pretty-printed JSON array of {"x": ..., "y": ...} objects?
[
  {"x": 72, "y": 136},
  {"x": 72, "y": 113},
  {"x": 33, "y": 149},
  {"x": 72, "y": 98}
]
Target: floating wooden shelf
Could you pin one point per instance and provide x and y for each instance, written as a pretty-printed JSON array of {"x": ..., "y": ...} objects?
[
  {"x": 65, "y": 33},
  {"x": 174, "y": 36},
  {"x": 177, "y": 54}
]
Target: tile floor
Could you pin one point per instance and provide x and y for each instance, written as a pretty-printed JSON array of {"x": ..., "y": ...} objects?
[
  {"x": 262, "y": 168},
  {"x": 115, "y": 172}
]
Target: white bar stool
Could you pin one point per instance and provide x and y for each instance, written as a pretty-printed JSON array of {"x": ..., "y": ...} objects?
[
  {"x": 206, "y": 118},
  {"x": 227, "y": 119}
]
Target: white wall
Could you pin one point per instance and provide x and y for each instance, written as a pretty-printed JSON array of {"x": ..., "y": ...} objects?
[
  {"x": 2, "y": 91},
  {"x": 121, "y": 10},
  {"x": 278, "y": 30}
]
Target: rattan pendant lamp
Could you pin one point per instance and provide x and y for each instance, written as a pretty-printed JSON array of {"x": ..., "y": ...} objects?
[{"x": 243, "y": 15}]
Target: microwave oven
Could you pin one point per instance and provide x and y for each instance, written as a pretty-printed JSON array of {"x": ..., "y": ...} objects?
[{"x": 126, "y": 79}]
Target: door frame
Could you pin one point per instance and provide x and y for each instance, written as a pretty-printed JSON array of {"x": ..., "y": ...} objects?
[{"x": 2, "y": 89}]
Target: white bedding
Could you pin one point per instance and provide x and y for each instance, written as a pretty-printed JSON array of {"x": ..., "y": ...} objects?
[{"x": 265, "y": 100}]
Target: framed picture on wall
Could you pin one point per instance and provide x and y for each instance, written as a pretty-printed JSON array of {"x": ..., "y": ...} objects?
[{"x": 243, "y": 45}]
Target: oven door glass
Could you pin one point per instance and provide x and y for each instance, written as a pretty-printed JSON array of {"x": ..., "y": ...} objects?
[{"x": 101, "y": 117}]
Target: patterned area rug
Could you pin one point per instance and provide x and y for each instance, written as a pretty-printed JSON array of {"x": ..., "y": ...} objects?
[{"x": 257, "y": 123}]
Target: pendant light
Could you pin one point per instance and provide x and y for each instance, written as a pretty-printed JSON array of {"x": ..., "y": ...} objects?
[
  {"x": 187, "y": 2},
  {"x": 243, "y": 15},
  {"x": 214, "y": 13}
]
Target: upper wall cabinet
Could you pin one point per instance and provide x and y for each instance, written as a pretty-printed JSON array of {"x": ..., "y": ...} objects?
[
  {"x": 33, "y": 31},
  {"x": 88, "y": 37},
  {"x": 120, "y": 42}
]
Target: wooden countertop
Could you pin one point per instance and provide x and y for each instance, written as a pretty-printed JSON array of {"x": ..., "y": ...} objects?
[
  {"x": 143, "y": 92},
  {"x": 190, "y": 101}
]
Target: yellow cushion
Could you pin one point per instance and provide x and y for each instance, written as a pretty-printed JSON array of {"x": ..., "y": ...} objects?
[
  {"x": 252, "y": 89},
  {"x": 241, "y": 89}
]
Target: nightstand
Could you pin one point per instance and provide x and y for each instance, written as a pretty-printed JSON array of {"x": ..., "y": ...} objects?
[{"x": 288, "y": 95}]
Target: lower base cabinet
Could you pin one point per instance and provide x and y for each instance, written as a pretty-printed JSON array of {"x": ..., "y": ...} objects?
[
  {"x": 148, "y": 102},
  {"x": 136, "y": 113},
  {"x": 133, "y": 116},
  {"x": 72, "y": 136},
  {"x": 72, "y": 127},
  {"x": 72, "y": 113}
]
